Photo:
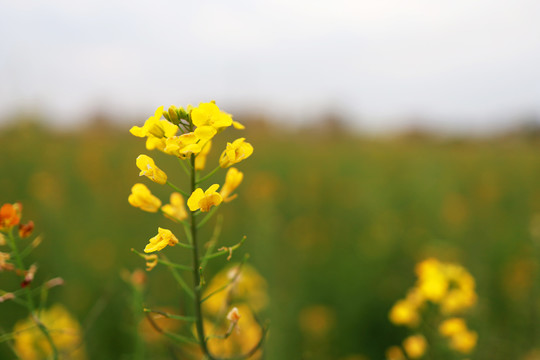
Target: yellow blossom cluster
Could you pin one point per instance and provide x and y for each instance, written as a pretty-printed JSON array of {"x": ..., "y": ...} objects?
[
  {"x": 186, "y": 134},
  {"x": 450, "y": 288}
]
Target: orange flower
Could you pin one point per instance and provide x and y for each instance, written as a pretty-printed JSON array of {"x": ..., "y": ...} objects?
[{"x": 10, "y": 215}]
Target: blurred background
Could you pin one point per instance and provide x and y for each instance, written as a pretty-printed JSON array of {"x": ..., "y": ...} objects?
[{"x": 384, "y": 132}]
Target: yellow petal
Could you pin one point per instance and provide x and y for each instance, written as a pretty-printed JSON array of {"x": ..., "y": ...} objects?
[{"x": 193, "y": 201}]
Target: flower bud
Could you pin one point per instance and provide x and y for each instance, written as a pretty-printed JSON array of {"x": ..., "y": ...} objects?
[{"x": 25, "y": 230}]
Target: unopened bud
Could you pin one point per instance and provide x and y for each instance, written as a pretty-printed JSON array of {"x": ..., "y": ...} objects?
[
  {"x": 173, "y": 114},
  {"x": 7, "y": 296},
  {"x": 166, "y": 115},
  {"x": 37, "y": 241},
  {"x": 57, "y": 281},
  {"x": 29, "y": 277},
  {"x": 234, "y": 315},
  {"x": 25, "y": 230}
]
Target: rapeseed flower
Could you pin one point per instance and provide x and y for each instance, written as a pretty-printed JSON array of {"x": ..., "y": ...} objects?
[
  {"x": 204, "y": 200},
  {"x": 415, "y": 346},
  {"x": 155, "y": 130},
  {"x": 150, "y": 170},
  {"x": 142, "y": 198},
  {"x": 452, "y": 326},
  {"x": 464, "y": 341},
  {"x": 176, "y": 210},
  {"x": 161, "y": 240},
  {"x": 209, "y": 119},
  {"x": 183, "y": 146},
  {"x": 404, "y": 313},
  {"x": 235, "y": 152},
  {"x": 232, "y": 181}
]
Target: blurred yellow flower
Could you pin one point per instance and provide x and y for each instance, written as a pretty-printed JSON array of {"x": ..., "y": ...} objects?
[
  {"x": 452, "y": 326},
  {"x": 432, "y": 281},
  {"x": 142, "y": 198},
  {"x": 30, "y": 343},
  {"x": 176, "y": 210},
  {"x": 155, "y": 130},
  {"x": 183, "y": 146},
  {"x": 204, "y": 200},
  {"x": 245, "y": 285},
  {"x": 162, "y": 239},
  {"x": 464, "y": 341},
  {"x": 150, "y": 170},
  {"x": 208, "y": 116},
  {"x": 394, "y": 353},
  {"x": 404, "y": 313},
  {"x": 232, "y": 181},
  {"x": 200, "y": 160},
  {"x": 243, "y": 339},
  {"x": 415, "y": 346},
  {"x": 235, "y": 152}
]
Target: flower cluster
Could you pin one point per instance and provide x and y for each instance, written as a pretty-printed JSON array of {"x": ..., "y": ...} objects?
[
  {"x": 224, "y": 321},
  {"x": 41, "y": 335},
  {"x": 450, "y": 289},
  {"x": 186, "y": 134}
]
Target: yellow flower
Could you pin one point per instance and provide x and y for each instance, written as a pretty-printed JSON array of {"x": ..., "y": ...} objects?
[
  {"x": 394, "y": 353},
  {"x": 150, "y": 170},
  {"x": 183, "y": 146},
  {"x": 162, "y": 239},
  {"x": 246, "y": 285},
  {"x": 142, "y": 198},
  {"x": 176, "y": 209},
  {"x": 235, "y": 152},
  {"x": 452, "y": 326},
  {"x": 415, "y": 346},
  {"x": 432, "y": 282},
  {"x": 464, "y": 341},
  {"x": 232, "y": 181},
  {"x": 204, "y": 200},
  {"x": 404, "y": 313},
  {"x": 243, "y": 339},
  {"x": 200, "y": 160},
  {"x": 155, "y": 130},
  {"x": 209, "y": 119},
  {"x": 65, "y": 331}
]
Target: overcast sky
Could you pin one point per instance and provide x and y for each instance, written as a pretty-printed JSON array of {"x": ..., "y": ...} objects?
[{"x": 456, "y": 63}]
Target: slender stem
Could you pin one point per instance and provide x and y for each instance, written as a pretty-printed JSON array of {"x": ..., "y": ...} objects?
[
  {"x": 30, "y": 300},
  {"x": 176, "y": 188},
  {"x": 196, "y": 273},
  {"x": 208, "y": 176},
  {"x": 184, "y": 166}
]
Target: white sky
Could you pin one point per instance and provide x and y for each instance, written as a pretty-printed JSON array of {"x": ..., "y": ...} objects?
[{"x": 457, "y": 64}]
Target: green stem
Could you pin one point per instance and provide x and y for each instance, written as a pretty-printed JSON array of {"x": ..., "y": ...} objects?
[
  {"x": 207, "y": 176},
  {"x": 196, "y": 273},
  {"x": 176, "y": 188},
  {"x": 28, "y": 293}
]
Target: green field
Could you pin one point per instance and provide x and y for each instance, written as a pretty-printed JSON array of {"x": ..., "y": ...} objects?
[{"x": 334, "y": 220}]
